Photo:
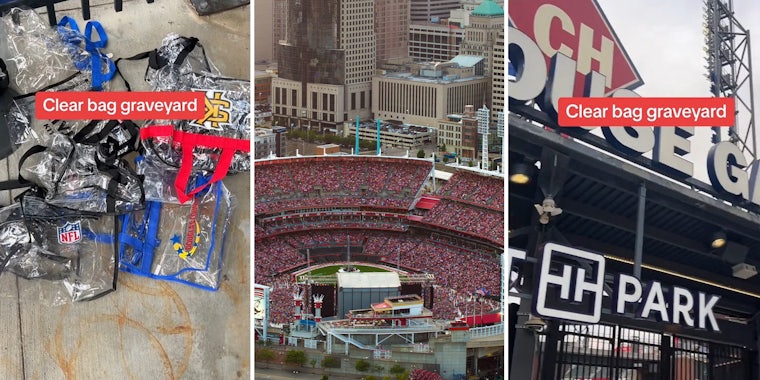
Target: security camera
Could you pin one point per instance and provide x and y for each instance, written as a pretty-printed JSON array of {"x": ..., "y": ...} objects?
[{"x": 535, "y": 324}]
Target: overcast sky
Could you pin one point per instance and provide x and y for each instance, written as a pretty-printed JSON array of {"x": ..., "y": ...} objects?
[{"x": 665, "y": 42}]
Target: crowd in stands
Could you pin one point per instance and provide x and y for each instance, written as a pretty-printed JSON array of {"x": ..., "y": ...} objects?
[
  {"x": 458, "y": 272},
  {"x": 332, "y": 181},
  {"x": 331, "y": 202},
  {"x": 281, "y": 297},
  {"x": 476, "y": 189},
  {"x": 465, "y": 245},
  {"x": 333, "y": 221},
  {"x": 468, "y": 218},
  {"x": 332, "y": 225},
  {"x": 326, "y": 238},
  {"x": 259, "y": 232},
  {"x": 448, "y": 303},
  {"x": 387, "y": 245},
  {"x": 271, "y": 256},
  {"x": 452, "y": 268}
]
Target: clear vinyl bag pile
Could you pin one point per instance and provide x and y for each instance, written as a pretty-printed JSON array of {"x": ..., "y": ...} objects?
[{"x": 80, "y": 211}]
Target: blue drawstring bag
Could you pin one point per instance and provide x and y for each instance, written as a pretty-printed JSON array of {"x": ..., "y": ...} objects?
[{"x": 178, "y": 242}]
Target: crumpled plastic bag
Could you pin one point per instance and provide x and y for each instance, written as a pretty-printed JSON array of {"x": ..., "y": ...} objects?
[
  {"x": 74, "y": 176},
  {"x": 72, "y": 251},
  {"x": 184, "y": 54},
  {"x": 35, "y": 55}
]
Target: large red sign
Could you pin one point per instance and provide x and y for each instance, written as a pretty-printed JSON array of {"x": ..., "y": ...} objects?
[{"x": 579, "y": 30}]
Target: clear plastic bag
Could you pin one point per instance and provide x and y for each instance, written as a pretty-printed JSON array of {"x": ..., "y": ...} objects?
[
  {"x": 183, "y": 54},
  {"x": 182, "y": 243},
  {"x": 229, "y": 98},
  {"x": 72, "y": 252},
  {"x": 160, "y": 179},
  {"x": 35, "y": 55},
  {"x": 74, "y": 176},
  {"x": 27, "y": 129},
  {"x": 218, "y": 143}
]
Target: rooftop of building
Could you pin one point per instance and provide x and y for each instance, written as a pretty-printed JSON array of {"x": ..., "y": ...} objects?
[
  {"x": 386, "y": 126},
  {"x": 488, "y": 8},
  {"x": 467, "y": 60},
  {"x": 262, "y": 131},
  {"x": 443, "y": 23},
  {"x": 443, "y": 79},
  {"x": 262, "y": 74}
]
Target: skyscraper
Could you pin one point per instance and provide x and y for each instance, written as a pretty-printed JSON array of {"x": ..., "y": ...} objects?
[
  {"x": 278, "y": 24},
  {"x": 391, "y": 29},
  {"x": 426, "y": 10},
  {"x": 484, "y": 37},
  {"x": 326, "y": 63},
  {"x": 497, "y": 79},
  {"x": 434, "y": 41}
]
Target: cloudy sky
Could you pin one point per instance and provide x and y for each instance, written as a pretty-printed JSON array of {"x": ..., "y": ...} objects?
[{"x": 665, "y": 42}]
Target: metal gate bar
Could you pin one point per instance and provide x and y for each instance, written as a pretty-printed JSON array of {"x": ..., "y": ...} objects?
[
  {"x": 49, "y": 5},
  {"x": 569, "y": 351}
]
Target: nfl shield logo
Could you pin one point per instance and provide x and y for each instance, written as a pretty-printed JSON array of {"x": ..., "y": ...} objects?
[{"x": 70, "y": 233}]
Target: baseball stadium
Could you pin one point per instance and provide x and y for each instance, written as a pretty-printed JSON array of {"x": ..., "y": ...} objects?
[{"x": 393, "y": 260}]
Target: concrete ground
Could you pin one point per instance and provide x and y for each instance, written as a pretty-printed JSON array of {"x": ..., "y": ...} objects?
[{"x": 146, "y": 329}]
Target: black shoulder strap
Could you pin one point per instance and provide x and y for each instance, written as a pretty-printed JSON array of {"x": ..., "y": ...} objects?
[
  {"x": 191, "y": 43},
  {"x": 136, "y": 57},
  {"x": 20, "y": 182},
  {"x": 109, "y": 146},
  {"x": 156, "y": 61},
  {"x": 119, "y": 176}
]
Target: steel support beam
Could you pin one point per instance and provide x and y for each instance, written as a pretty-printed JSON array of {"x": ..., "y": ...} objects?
[{"x": 639, "y": 248}]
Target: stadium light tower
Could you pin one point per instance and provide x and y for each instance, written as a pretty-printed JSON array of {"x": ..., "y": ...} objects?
[
  {"x": 483, "y": 116},
  {"x": 729, "y": 69},
  {"x": 356, "y": 151}
]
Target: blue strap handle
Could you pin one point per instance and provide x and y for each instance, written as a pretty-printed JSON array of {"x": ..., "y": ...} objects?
[
  {"x": 98, "y": 76},
  {"x": 103, "y": 238},
  {"x": 70, "y": 34},
  {"x": 68, "y": 22},
  {"x": 153, "y": 211},
  {"x": 101, "y": 33}
]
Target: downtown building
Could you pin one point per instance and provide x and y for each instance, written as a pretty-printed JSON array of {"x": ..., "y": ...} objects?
[
  {"x": 430, "y": 10},
  {"x": 484, "y": 37},
  {"x": 434, "y": 41},
  {"x": 325, "y": 63},
  {"x": 391, "y": 26},
  {"x": 268, "y": 141},
  {"x": 278, "y": 25},
  {"x": 429, "y": 92},
  {"x": 459, "y": 133}
]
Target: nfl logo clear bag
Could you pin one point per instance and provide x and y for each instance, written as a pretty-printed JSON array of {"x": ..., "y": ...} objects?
[{"x": 65, "y": 255}]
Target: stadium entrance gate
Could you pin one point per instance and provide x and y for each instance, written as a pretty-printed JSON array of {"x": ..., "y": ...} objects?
[{"x": 567, "y": 351}]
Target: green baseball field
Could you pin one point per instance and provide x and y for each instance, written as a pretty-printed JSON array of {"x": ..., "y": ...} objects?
[{"x": 333, "y": 269}]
